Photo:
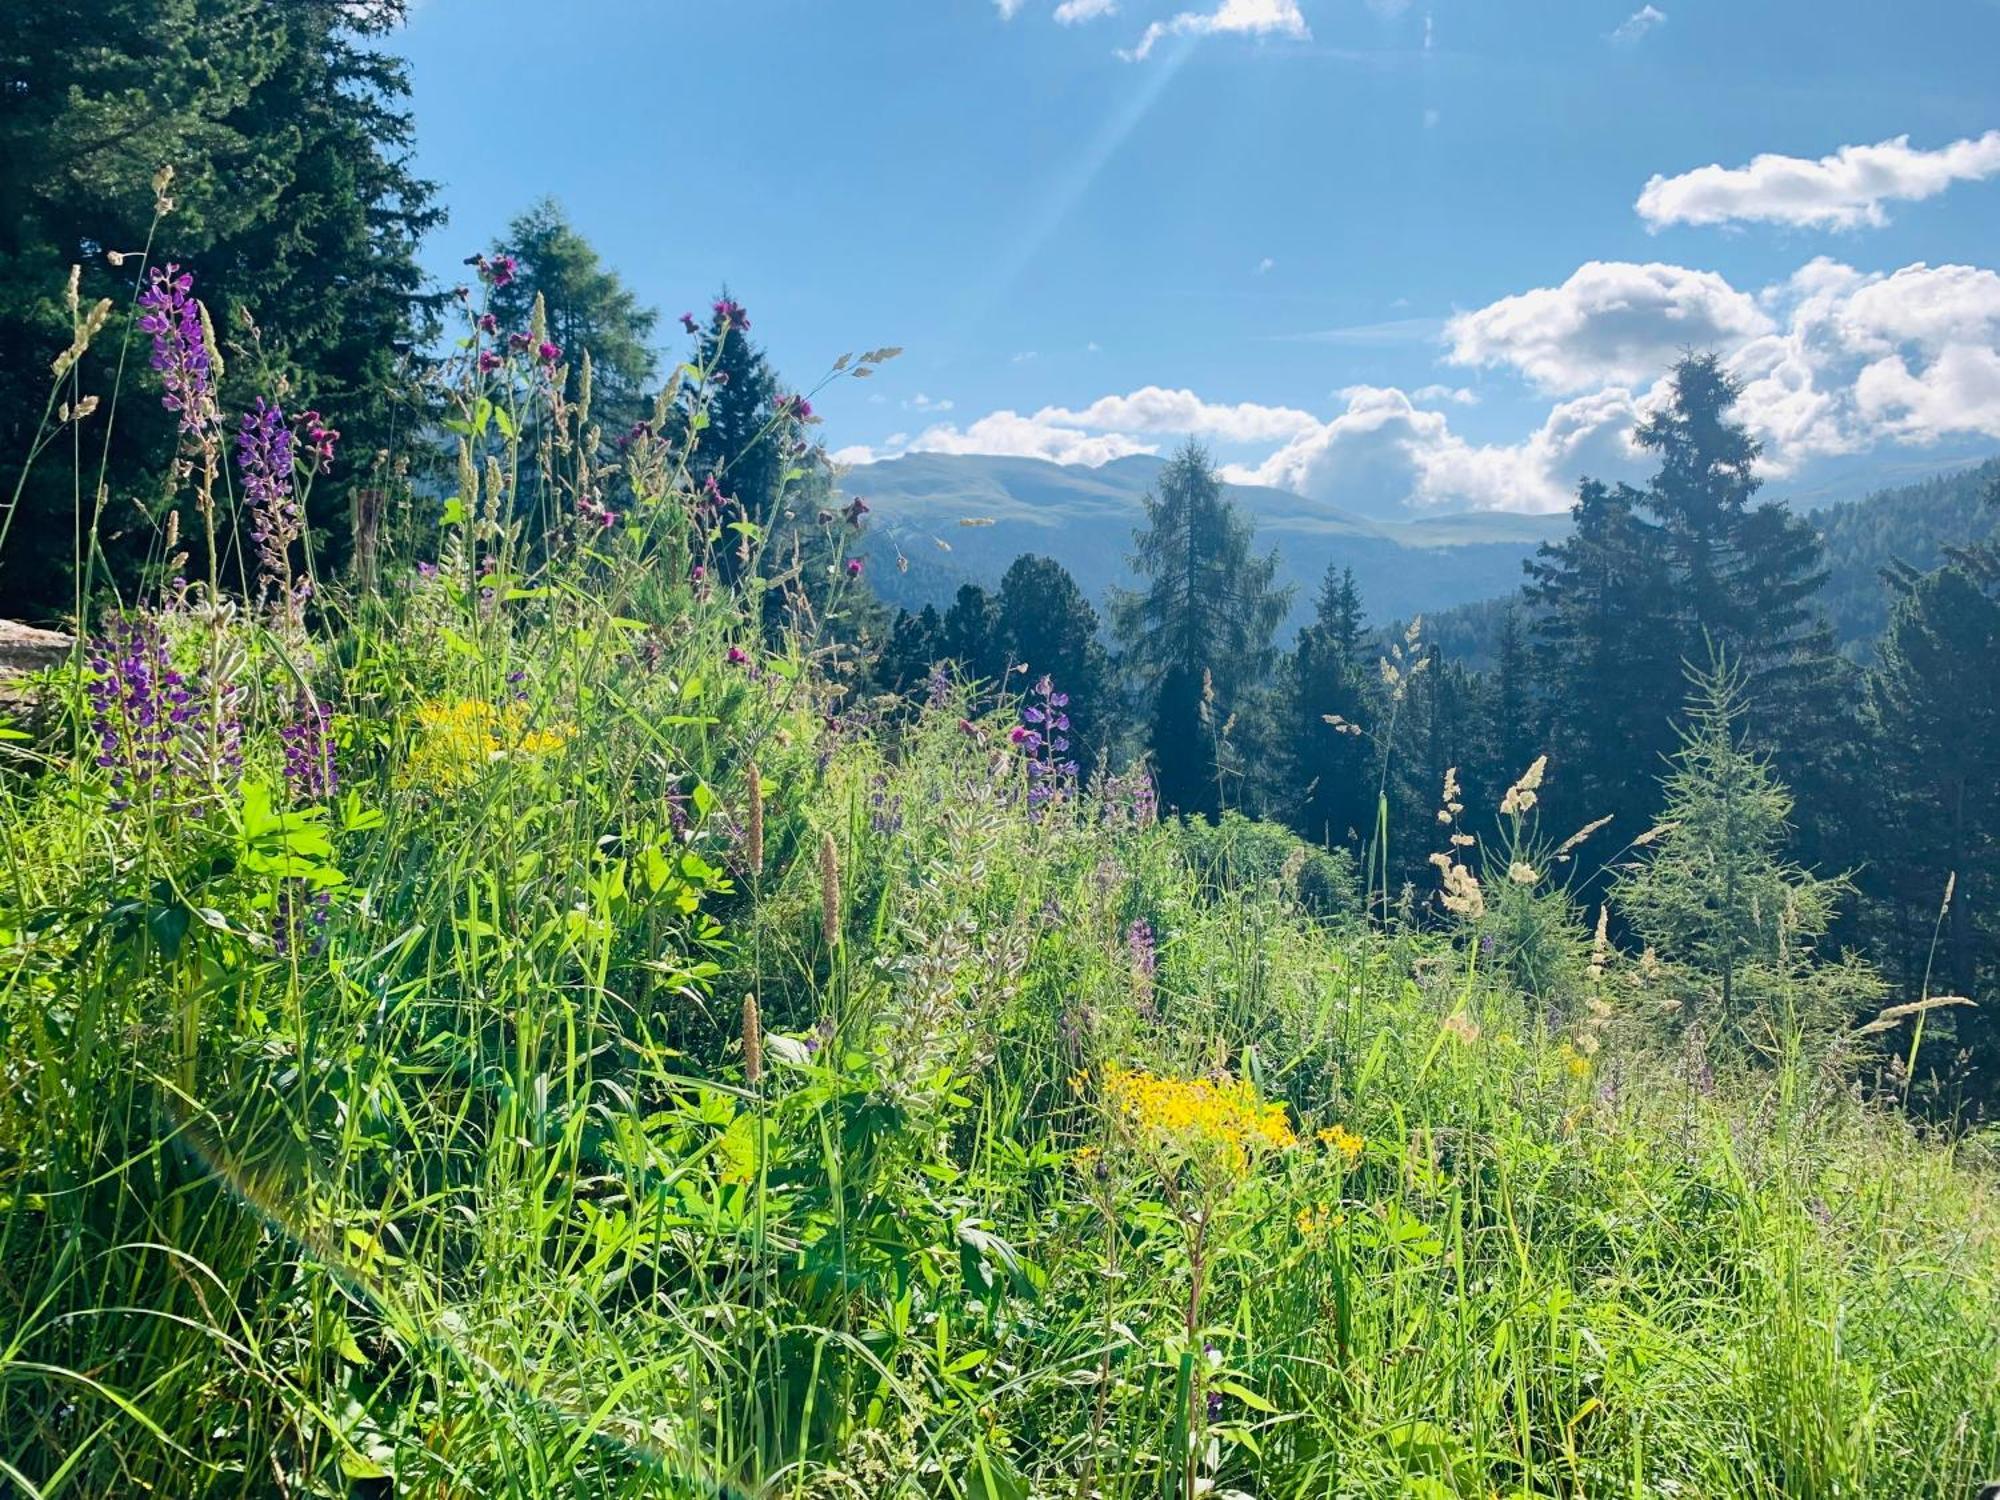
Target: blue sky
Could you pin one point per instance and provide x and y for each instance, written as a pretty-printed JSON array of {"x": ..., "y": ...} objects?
[{"x": 1398, "y": 256}]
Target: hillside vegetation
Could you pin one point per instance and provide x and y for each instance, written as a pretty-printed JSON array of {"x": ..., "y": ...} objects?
[{"x": 512, "y": 1022}]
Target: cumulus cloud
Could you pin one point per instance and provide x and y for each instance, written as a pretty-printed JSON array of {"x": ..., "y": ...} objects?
[
  {"x": 1155, "y": 409},
  {"x": 1612, "y": 322},
  {"x": 1076, "y": 12},
  {"x": 921, "y": 402},
  {"x": 1832, "y": 360},
  {"x": 1843, "y": 191},
  {"x": 1231, "y": 18},
  {"x": 1385, "y": 454},
  {"x": 1633, "y": 29},
  {"x": 1008, "y": 8}
]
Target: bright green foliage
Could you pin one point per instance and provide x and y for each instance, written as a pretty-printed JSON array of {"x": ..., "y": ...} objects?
[
  {"x": 643, "y": 1077},
  {"x": 1714, "y": 892},
  {"x": 1197, "y": 637}
]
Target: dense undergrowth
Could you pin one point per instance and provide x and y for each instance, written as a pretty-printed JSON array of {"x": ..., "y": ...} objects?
[{"x": 533, "y": 1033}]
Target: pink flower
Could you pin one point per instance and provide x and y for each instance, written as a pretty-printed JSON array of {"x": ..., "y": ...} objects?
[
  {"x": 488, "y": 361},
  {"x": 488, "y": 323},
  {"x": 688, "y": 322},
  {"x": 737, "y": 656},
  {"x": 550, "y": 353},
  {"x": 503, "y": 269},
  {"x": 854, "y": 567}
]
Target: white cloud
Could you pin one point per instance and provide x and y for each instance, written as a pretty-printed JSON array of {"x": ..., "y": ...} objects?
[
  {"x": 1008, "y": 8},
  {"x": 1832, "y": 360},
  {"x": 1843, "y": 191},
  {"x": 921, "y": 402},
  {"x": 1232, "y": 17},
  {"x": 1384, "y": 454},
  {"x": 1632, "y": 30},
  {"x": 1075, "y": 12},
  {"x": 1154, "y": 409},
  {"x": 1612, "y": 322},
  {"x": 1265, "y": 265},
  {"x": 1011, "y": 434},
  {"x": 1023, "y": 357}
]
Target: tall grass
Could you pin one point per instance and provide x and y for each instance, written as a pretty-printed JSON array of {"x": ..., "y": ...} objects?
[{"x": 424, "y": 1136}]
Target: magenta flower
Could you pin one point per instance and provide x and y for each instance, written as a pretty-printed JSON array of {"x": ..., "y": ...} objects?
[
  {"x": 518, "y": 343},
  {"x": 854, "y": 567},
  {"x": 737, "y": 656},
  {"x": 730, "y": 313},
  {"x": 854, "y": 510},
  {"x": 503, "y": 269},
  {"x": 319, "y": 437},
  {"x": 488, "y": 361},
  {"x": 688, "y": 322},
  {"x": 798, "y": 407},
  {"x": 550, "y": 353},
  {"x": 488, "y": 323}
]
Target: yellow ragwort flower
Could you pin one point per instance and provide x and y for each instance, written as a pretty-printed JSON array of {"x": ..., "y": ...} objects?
[
  {"x": 456, "y": 739},
  {"x": 1220, "y": 1120},
  {"x": 1342, "y": 1142}
]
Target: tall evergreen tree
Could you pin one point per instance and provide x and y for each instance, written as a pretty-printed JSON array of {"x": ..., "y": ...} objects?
[
  {"x": 589, "y": 307},
  {"x": 739, "y": 447},
  {"x": 1198, "y": 635},
  {"x": 1327, "y": 711},
  {"x": 1605, "y": 648},
  {"x": 1047, "y": 626},
  {"x": 293, "y": 204},
  {"x": 1934, "y": 714}
]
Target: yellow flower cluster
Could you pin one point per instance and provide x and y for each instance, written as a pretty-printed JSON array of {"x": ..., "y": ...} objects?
[
  {"x": 1342, "y": 1142},
  {"x": 1223, "y": 1120},
  {"x": 1316, "y": 1218},
  {"x": 455, "y": 739}
]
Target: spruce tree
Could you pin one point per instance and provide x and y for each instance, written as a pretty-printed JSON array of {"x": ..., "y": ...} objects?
[
  {"x": 1327, "y": 710},
  {"x": 292, "y": 203},
  {"x": 1197, "y": 637},
  {"x": 1048, "y": 627},
  {"x": 1714, "y": 893}
]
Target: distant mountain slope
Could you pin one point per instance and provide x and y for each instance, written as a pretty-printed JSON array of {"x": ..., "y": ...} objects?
[
  {"x": 1911, "y": 523},
  {"x": 941, "y": 520}
]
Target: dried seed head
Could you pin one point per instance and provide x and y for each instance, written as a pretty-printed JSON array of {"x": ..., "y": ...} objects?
[
  {"x": 753, "y": 1041},
  {"x": 173, "y": 529},
  {"x": 829, "y": 891},
  {"x": 1520, "y": 796}
]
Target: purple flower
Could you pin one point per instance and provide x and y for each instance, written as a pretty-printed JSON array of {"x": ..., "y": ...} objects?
[
  {"x": 310, "y": 771},
  {"x": 730, "y": 314},
  {"x": 488, "y": 361},
  {"x": 148, "y": 718},
  {"x": 518, "y": 343},
  {"x": 737, "y": 656},
  {"x": 180, "y": 345},
  {"x": 854, "y": 567},
  {"x": 688, "y": 322},
  {"x": 503, "y": 269},
  {"x": 1049, "y": 775},
  {"x": 488, "y": 323},
  {"x": 854, "y": 510},
  {"x": 1143, "y": 946},
  {"x": 264, "y": 457},
  {"x": 797, "y": 407},
  {"x": 549, "y": 353}
]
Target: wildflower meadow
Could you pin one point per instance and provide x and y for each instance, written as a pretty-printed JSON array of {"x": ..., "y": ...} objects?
[{"x": 519, "y": 1015}]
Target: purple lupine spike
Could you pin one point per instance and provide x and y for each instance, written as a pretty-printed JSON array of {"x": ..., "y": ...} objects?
[
  {"x": 172, "y": 316},
  {"x": 310, "y": 769},
  {"x": 264, "y": 457}
]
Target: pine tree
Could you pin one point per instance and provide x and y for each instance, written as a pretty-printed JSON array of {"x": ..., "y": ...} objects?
[
  {"x": 589, "y": 307},
  {"x": 1048, "y": 627},
  {"x": 1934, "y": 717},
  {"x": 739, "y": 445},
  {"x": 1605, "y": 647},
  {"x": 1714, "y": 893},
  {"x": 1327, "y": 711},
  {"x": 1198, "y": 636}
]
